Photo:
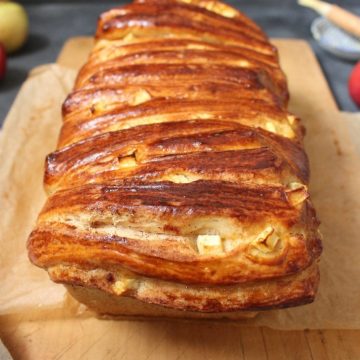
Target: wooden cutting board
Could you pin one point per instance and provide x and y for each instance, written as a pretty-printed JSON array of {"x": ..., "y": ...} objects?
[{"x": 69, "y": 338}]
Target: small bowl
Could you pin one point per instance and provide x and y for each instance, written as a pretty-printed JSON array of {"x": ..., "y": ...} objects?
[{"x": 335, "y": 40}]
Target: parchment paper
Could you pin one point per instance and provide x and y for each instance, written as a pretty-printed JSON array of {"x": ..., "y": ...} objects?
[{"x": 31, "y": 131}]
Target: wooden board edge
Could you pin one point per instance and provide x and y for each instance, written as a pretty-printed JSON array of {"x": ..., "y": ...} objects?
[
  {"x": 304, "y": 47},
  {"x": 80, "y": 45}
]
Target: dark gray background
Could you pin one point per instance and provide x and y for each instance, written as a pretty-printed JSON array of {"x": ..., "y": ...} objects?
[{"x": 52, "y": 22}]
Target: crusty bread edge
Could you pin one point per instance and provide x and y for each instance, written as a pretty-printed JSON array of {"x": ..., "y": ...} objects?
[{"x": 126, "y": 307}]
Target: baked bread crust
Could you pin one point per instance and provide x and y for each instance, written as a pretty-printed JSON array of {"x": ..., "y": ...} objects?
[{"x": 180, "y": 178}]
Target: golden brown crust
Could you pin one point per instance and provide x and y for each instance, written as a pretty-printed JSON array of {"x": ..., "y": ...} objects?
[
  {"x": 255, "y": 113},
  {"x": 297, "y": 290},
  {"x": 180, "y": 178},
  {"x": 178, "y": 17},
  {"x": 195, "y": 147},
  {"x": 216, "y": 7},
  {"x": 200, "y": 55},
  {"x": 80, "y": 217}
]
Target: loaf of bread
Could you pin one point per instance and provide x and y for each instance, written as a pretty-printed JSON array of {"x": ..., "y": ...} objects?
[{"x": 179, "y": 185}]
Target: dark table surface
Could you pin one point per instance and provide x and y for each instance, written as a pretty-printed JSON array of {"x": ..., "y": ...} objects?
[{"x": 52, "y": 23}]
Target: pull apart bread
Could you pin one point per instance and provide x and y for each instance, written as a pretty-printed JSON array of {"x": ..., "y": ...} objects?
[{"x": 179, "y": 185}]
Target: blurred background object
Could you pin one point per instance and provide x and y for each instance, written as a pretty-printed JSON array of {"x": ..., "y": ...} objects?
[
  {"x": 2, "y": 61},
  {"x": 4, "y": 353},
  {"x": 52, "y": 22},
  {"x": 340, "y": 17},
  {"x": 14, "y": 25},
  {"x": 354, "y": 84},
  {"x": 338, "y": 32},
  {"x": 335, "y": 40}
]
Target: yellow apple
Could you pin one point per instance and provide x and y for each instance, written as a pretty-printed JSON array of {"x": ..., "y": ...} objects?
[{"x": 14, "y": 25}]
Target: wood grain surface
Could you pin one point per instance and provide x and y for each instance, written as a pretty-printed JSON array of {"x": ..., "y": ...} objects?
[{"x": 60, "y": 337}]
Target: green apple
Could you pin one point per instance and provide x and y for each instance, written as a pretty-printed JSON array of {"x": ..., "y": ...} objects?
[{"x": 14, "y": 25}]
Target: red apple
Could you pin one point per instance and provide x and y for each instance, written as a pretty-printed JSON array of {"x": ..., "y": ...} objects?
[
  {"x": 354, "y": 84},
  {"x": 2, "y": 61}
]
